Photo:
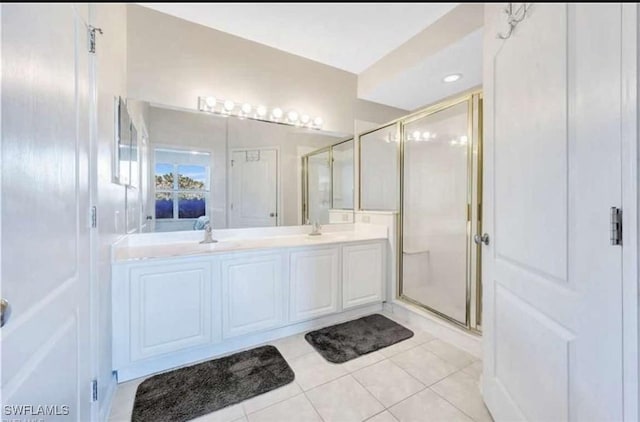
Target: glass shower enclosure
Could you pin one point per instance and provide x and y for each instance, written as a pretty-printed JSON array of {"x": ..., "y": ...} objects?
[{"x": 440, "y": 200}]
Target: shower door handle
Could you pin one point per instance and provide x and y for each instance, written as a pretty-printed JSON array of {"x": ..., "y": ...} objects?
[
  {"x": 5, "y": 311},
  {"x": 481, "y": 239}
]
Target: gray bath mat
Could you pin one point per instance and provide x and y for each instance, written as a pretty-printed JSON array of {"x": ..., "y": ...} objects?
[
  {"x": 343, "y": 342},
  {"x": 196, "y": 390}
]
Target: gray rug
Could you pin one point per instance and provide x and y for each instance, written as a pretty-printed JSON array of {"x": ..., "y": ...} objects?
[
  {"x": 342, "y": 342},
  {"x": 196, "y": 390}
]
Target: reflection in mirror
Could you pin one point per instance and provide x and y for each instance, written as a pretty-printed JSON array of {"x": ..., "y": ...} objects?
[
  {"x": 228, "y": 171},
  {"x": 318, "y": 186},
  {"x": 379, "y": 169},
  {"x": 342, "y": 172}
]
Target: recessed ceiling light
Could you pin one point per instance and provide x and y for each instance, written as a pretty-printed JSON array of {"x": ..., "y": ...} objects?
[{"x": 452, "y": 78}]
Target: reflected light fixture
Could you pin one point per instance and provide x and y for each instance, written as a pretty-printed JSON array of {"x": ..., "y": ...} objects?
[
  {"x": 452, "y": 78},
  {"x": 260, "y": 112}
]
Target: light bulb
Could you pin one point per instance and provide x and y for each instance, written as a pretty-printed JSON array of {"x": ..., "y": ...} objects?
[
  {"x": 463, "y": 140},
  {"x": 210, "y": 101},
  {"x": 304, "y": 119},
  {"x": 277, "y": 113},
  {"x": 292, "y": 116},
  {"x": 416, "y": 135},
  {"x": 453, "y": 142},
  {"x": 452, "y": 78},
  {"x": 229, "y": 105},
  {"x": 261, "y": 110},
  {"x": 426, "y": 135},
  {"x": 318, "y": 121},
  {"x": 246, "y": 108}
]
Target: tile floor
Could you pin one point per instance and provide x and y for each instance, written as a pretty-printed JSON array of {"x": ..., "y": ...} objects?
[{"x": 421, "y": 379}]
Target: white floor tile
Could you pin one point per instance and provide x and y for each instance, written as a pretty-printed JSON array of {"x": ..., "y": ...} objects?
[
  {"x": 344, "y": 400},
  {"x": 383, "y": 417},
  {"x": 226, "y": 414},
  {"x": 388, "y": 382},
  {"x": 427, "y": 406},
  {"x": 475, "y": 370},
  {"x": 293, "y": 346},
  {"x": 449, "y": 353},
  {"x": 312, "y": 370},
  {"x": 424, "y": 365},
  {"x": 463, "y": 391},
  {"x": 123, "y": 399},
  {"x": 295, "y": 409},
  {"x": 399, "y": 347},
  {"x": 421, "y": 337},
  {"x": 272, "y": 397},
  {"x": 362, "y": 361},
  {"x": 242, "y": 419}
]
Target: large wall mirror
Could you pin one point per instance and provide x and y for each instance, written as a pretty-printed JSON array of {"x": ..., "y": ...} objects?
[{"x": 236, "y": 173}]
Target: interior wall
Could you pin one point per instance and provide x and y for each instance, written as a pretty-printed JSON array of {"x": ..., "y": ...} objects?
[{"x": 111, "y": 81}]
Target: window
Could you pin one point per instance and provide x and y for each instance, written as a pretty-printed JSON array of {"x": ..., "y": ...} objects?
[{"x": 181, "y": 184}]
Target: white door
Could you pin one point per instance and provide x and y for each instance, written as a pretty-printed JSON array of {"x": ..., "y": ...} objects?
[
  {"x": 46, "y": 359},
  {"x": 552, "y": 280},
  {"x": 254, "y": 188}
]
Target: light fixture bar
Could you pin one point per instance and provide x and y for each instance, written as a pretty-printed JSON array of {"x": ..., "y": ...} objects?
[{"x": 260, "y": 112}]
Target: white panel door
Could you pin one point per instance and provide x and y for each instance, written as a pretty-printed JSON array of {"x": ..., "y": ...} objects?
[
  {"x": 170, "y": 308},
  {"x": 552, "y": 281},
  {"x": 314, "y": 282},
  {"x": 46, "y": 354},
  {"x": 254, "y": 188},
  {"x": 363, "y": 271},
  {"x": 253, "y": 293}
]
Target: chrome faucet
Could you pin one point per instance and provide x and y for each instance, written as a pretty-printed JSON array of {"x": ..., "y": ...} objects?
[
  {"x": 315, "y": 229},
  {"x": 208, "y": 237}
]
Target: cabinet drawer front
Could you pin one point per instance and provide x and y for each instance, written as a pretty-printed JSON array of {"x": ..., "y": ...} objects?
[
  {"x": 315, "y": 280},
  {"x": 253, "y": 294},
  {"x": 170, "y": 308},
  {"x": 362, "y": 274}
]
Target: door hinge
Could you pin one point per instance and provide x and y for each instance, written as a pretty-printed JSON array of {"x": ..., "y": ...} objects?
[
  {"x": 94, "y": 390},
  {"x": 616, "y": 226},
  {"x": 94, "y": 217},
  {"x": 92, "y": 37}
]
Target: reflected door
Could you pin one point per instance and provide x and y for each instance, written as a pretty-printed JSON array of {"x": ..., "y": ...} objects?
[
  {"x": 254, "y": 188},
  {"x": 319, "y": 186},
  {"x": 435, "y": 225}
]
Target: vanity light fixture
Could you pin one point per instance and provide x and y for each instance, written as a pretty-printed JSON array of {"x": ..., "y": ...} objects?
[
  {"x": 452, "y": 78},
  {"x": 211, "y": 102},
  {"x": 426, "y": 136},
  {"x": 229, "y": 106},
  {"x": 277, "y": 113},
  {"x": 292, "y": 116},
  {"x": 260, "y": 112}
]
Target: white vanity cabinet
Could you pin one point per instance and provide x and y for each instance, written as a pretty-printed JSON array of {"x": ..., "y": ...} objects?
[
  {"x": 163, "y": 307},
  {"x": 363, "y": 269},
  {"x": 172, "y": 311},
  {"x": 252, "y": 293},
  {"x": 314, "y": 283}
]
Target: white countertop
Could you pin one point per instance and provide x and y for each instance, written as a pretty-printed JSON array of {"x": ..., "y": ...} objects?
[{"x": 177, "y": 244}]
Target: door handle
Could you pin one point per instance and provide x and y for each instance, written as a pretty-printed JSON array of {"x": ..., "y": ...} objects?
[
  {"x": 273, "y": 214},
  {"x": 5, "y": 312},
  {"x": 481, "y": 239}
]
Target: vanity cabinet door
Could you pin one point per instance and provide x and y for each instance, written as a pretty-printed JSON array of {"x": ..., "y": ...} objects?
[
  {"x": 363, "y": 270},
  {"x": 253, "y": 293},
  {"x": 170, "y": 308},
  {"x": 314, "y": 283}
]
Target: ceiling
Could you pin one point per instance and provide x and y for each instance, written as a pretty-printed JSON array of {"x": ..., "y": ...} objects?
[
  {"x": 422, "y": 84},
  {"x": 348, "y": 36}
]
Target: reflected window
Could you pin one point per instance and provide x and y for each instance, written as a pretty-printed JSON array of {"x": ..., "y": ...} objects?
[{"x": 181, "y": 184}]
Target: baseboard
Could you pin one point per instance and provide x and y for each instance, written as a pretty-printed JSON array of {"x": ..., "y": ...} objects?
[
  {"x": 107, "y": 401},
  {"x": 469, "y": 342}
]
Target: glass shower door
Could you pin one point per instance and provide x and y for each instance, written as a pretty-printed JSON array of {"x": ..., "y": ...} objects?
[
  {"x": 319, "y": 186},
  {"x": 436, "y": 198}
]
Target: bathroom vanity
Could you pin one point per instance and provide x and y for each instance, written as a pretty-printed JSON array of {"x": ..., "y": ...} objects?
[{"x": 177, "y": 301}]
